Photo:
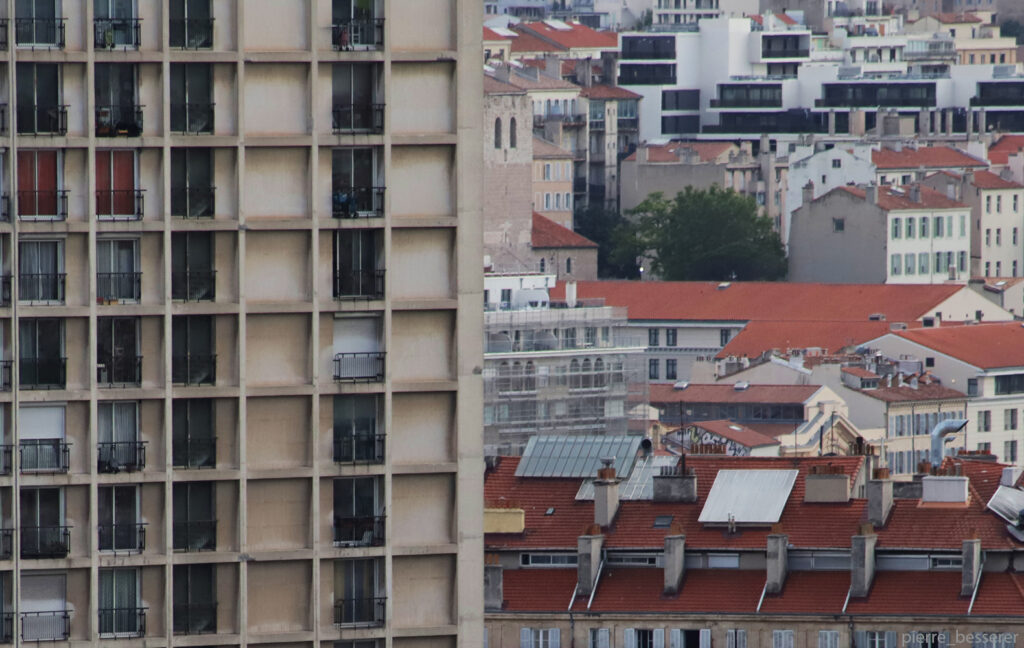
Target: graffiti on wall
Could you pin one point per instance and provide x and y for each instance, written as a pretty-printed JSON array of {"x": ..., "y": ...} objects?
[{"x": 696, "y": 436}]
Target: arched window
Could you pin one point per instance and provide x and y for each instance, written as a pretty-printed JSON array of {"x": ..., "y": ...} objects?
[
  {"x": 497, "y": 133},
  {"x": 512, "y": 132},
  {"x": 542, "y": 264},
  {"x": 504, "y": 377},
  {"x": 530, "y": 379},
  {"x": 574, "y": 374},
  {"x": 517, "y": 377},
  {"x": 588, "y": 375}
]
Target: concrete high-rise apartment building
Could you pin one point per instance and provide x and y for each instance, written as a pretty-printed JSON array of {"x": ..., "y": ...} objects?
[{"x": 241, "y": 323}]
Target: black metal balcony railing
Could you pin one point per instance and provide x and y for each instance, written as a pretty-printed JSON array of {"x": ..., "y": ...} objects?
[
  {"x": 45, "y": 626},
  {"x": 358, "y": 202},
  {"x": 119, "y": 370},
  {"x": 348, "y": 118},
  {"x": 48, "y": 287},
  {"x": 44, "y": 455},
  {"x": 121, "y": 456},
  {"x": 5, "y": 208},
  {"x": 6, "y": 459},
  {"x": 194, "y": 285},
  {"x": 360, "y": 611},
  {"x": 123, "y": 622},
  {"x": 359, "y": 531},
  {"x": 5, "y": 290},
  {"x": 130, "y": 538},
  {"x": 6, "y": 544},
  {"x": 358, "y": 32},
  {"x": 358, "y": 448},
  {"x": 195, "y": 535},
  {"x": 6, "y": 374},
  {"x": 194, "y": 452},
  {"x": 42, "y": 373},
  {"x": 597, "y": 124},
  {"x": 628, "y": 123},
  {"x": 39, "y": 32},
  {"x": 49, "y": 204},
  {"x": 117, "y": 32},
  {"x": 195, "y": 618},
  {"x": 118, "y": 286},
  {"x": 192, "y": 33},
  {"x": 193, "y": 202},
  {"x": 788, "y": 52},
  {"x": 194, "y": 369},
  {"x": 45, "y": 541},
  {"x": 118, "y": 121},
  {"x": 359, "y": 284},
  {"x": 193, "y": 118},
  {"x": 359, "y": 367},
  {"x": 42, "y": 120}
]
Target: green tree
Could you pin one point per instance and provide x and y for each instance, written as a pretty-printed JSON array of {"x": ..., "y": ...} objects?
[
  {"x": 616, "y": 253},
  {"x": 1013, "y": 28},
  {"x": 708, "y": 235}
]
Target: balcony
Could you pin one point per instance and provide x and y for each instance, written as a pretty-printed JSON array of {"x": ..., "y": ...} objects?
[
  {"x": 579, "y": 185},
  {"x": 193, "y": 202},
  {"x": 42, "y": 120},
  {"x": 194, "y": 369},
  {"x": 358, "y": 202},
  {"x": 119, "y": 370},
  {"x": 195, "y": 618},
  {"x": 122, "y": 622},
  {"x": 47, "y": 287},
  {"x": 124, "y": 538},
  {"x": 628, "y": 123},
  {"x": 358, "y": 448},
  {"x": 118, "y": 121},
  {"x": 359, "y": 284},
  {"x": 39, "y": 32},
  {"x": 45, "y": 541},
  {"x": 597, "y": 124},
  {"x": 194, "y": 452},
  {"x": 360, "y": 611},
  {"x": 109, "y": 33},
  {"x": 788, "y": 52},
  {"x": 4, "y": 44},
  {"x": 6, "y": 544},
  {"x": 121, "y": 456},
  {"x": 192, "y": 118},
  {"x": 49, "y": 204},
  {"x": 42, "y": 373},
  {"x": 45, "y": 626},
  {"x": 362, "y": 33},
  {"x": 195, "y": 535},
  {"x": 3, "y": 112},
  {"x": 5, "y": 208},
  {"x": 6, "y": 459},
  {"x": 359, "y": 531},
  {"x": 193, "y": 285},
  {"x": 118, "y": 287},
  {"x": 44, "y": 456},
  {"x": 358, "y": 118},
  {"x": 192, "y": 33},
  {"x": 359, "y": 367},
  {"x": 6, "y": 374}
]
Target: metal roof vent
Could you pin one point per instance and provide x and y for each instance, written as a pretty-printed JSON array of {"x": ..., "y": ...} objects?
[
  {"x": 682, "y": 384},
  {"x": 741, "y": 386},
  {"x": 724, "y": 285}
]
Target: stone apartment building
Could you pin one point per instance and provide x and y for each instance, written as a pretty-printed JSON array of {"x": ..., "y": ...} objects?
[{"x": 241, "y": 315}]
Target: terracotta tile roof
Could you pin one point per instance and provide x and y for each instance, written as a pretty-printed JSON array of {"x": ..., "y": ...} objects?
[
  {"x": 720, "y": 393},
  {"x": 604, "y": 91},
  {"x": 569, "y": 68},
  {"x": 913, "y": 526},
  {"x": 917, "y": 592},
  {"x": 545, "y": 149},
  {"x": 785, "y": 18},
  {"x": 491, "y": 35},
  {"x": 892, "y": 198},
  {"x": 859, "y": 372},
  {"x": 577, "y": 35},
  {"x": 542, "y": 82},
  {"x": 703, "y": 590},
  {"x": 745, "y": 301},
  {"x": 525, "y": 42},
  {"x": 999, "y": 284},
  {"x": 549, "y": 234},
  {"x": 956, "y": 18},
  {"x": 672, "y": 152},
  {"x": 809, "y": 592},
  {"x": 930, "y": 157},
  {"x": 1000, "y": 152},
  {"x": 986, "y": 346},
  {"x": 984, "y": 475},
  {"x": 493, "y": 86},
  {"x": 989, "y": 180},
  {"x": 999, "y": 593},
  {"x": 537, "y": 590},
  {"x": 741, "y": 434},
  {"x": 925, "y": 391},
  {"x": 784, "y": 336}
]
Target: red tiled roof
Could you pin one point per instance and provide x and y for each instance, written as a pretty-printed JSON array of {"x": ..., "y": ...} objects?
[
  {"x": 831, "y": 337},
  {"x": 748, "y": 300},
  {"x": 859, "y": 372},
  {"x": 545, "y": 149},
  {"x": 930, "y": 157},
  {"x": 809, "y": 592},
  {"x": 785, "y": 18},
  {"x": 989, "y": 180},
  {"x": 604, "y": 91},
  {"x": 925, "y": 391},
  {"x": 671, "y": 152},
  {"x": 999, "y": 593},
  {"x": 984, "y": 475},
  {"x": 720, "y": 393},
  {"x": 577, "y": 35},
  {"x": 999, "y": 284},
  {"x": 1000, "y": 152},
  {"x": 703, "y": 590},
  {"x": 987, "y": 346},
  {"x": 918, "y": 592},
  {"x": 741, "y": 434},
  {"x": 549, "y": 234},
  {"x": 774, "y": 430},
  {"x": 956, "y": 18},
  {"x": 537, "y": 590},
  {"x": 491, "y": 35},
  {"x": 912, "y": 526},
  {"x": 524, "y": 42},
  {"x": 892, "y": 198},
  {"x": 493, "y": 86}
]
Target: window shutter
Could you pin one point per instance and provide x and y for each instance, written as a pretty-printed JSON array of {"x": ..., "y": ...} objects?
[
  {"x": 730, "y": 639},
  {"x": 554, "y": 638},
  {"x": 675, "y": 638},
  {"x": 485, "y": 638},
  {"x": 604, "y": 638},
  {"x": 777, "y": 639},
  {"x": 525, "y": 638},
  {"x": 659, "y": 638},
  {"x": 788, "y": 639},
  {"x": 860, "y": 639},
  {"x": 705, "y": 638},
  {"x": 945, "y": 636},
  {"x": 890, "y": 640},
  {"x": 741, "y": 639},
  {"x": 629, "y": 638}
]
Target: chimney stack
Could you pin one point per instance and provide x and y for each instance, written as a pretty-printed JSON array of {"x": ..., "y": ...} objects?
[
  {"x": 971, "y": 566},
  {"x": 915, "y": 193},
  {"x": 494, "y": 595},
  {"x": 588, "y": 553},
  {"x": 778, "y": 548},
  {"x": 606, "y": 494},
  {"x": 862, "y": 564},
  {"x": 675, "y": 563},
  {"x": 879, "y": 501},
  {"x": 675, "y": 484},
  {"x": 871, "y": 194}
]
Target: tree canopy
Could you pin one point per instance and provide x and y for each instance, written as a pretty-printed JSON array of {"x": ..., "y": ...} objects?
[
  {"x": 705, "y": 235},
  {"x": 605, "y": 227}
]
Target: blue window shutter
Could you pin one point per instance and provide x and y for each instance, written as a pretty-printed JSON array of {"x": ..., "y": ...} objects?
[
  {"x": 705, "y": 638},
  {"x": 525, "y": 638},
  {"x": 675, "y": 638},
  {"x": 860, "y": 639},
  {"x": 890, "y": 640},
  {"x": 604, "y": 638},
  {"x": 554, "y": 638},
  {"x": 629, "y": 638},
  {"x": 659, "y": 638}
]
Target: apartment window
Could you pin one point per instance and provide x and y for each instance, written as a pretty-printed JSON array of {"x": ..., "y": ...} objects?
[
  {"x": 984, "y": 421},
  {"x": 117, "y": 270},
  {"x": 195, "y": 519},
  {"x": 191, "y": 98},
  {"x": 194, "y": 441},
  {"x": 910, "y": 263},
  {"x": 355, "y": 107},
  {"x": 358, "y": 520},
  {"x": 192, "y": 190},
  {"x": 911, "y": 228},
  {"x": 547, "y": 171},
  {"x": 43, "y": 533},
  {"x": 999, "y": 268},
  {"x": 41, "y": 271},
  {"x": 985, "y": 447},
  {"x": 670, "y": 337},
  {"x": 41, "y": 353},
  {"x": 999, "y": 204},
  {"x": 40, "y": 182},
  {"x": 1010, "y": 419},
  {"x": 118, "y": 435},
  {"x": 43, "y": 607},
  {"x": 895, "y": 263},
  {"x": 194, "y": 604},
  {"x": 497, "y": 133},
  {"x": 924, "y": 227},
  {"x": 118, "y": 360},
  {"x": 547, "y": 202},
  {"x": 358, "y": 350},
  {"x": 193, "y": 361},
  {"x": 357, "y": 256},
  {"x": 115, "y": 24},
  {"x": 568, "y": 266},
  {"x": 643, "y": 638},
  {"x": 1014, "y": 235},
  {"x": 653, "y": 372},
  {"x": 828, "y": 639},
  {"x": 120, "y": 611},
  {"x": 192, "y": 275},
  {"x": 356, "y": 183},
  {"x": 118, "y": 523},
  {"x": 922, "y": 263},
  {"x": 38, "y": 96},
  {"x": 42, "y": 448},
  {"x": 117, "y": 197},
  {"x": 191, "y": 24},
  {"x": 512, "y": 132},
  {"x": 988, "y": 204},
  {"x": 600, "y": 638},
  {"x": 897, "y": 228},
  {"x": 782, "y": 639},
  {"x": 735, "y": 638},
  {"x": 993, "y": 640},
  {"x": 670, "y": 369},
  {"x": 838, "y": 224},
  {"x": 972, "y": 387},
  {"x": 724, "y": 335},
  {"x": 358, "y": 586},
  {"x": 357, "y": 438},
  {"x": 938, "y": 262},
  {"x": 354, "y": 24},
  {"x": 117, "y": 107},
  {"x": 963, "y": 225},
  {"x": 653, "y": 337},
  {"x": 938, "y": 229},
  {"x": 837, "y": 164},
  {"x": 988, "y": 268},
  {"x": 999, "y": 236},
  {"x": 1010, "y": 452},
  {"x": 961, "y": 261},
  {"x": 988, "y": 238}
]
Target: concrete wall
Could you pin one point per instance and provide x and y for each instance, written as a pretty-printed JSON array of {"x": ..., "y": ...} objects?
[{"x": 818, "y": 253}]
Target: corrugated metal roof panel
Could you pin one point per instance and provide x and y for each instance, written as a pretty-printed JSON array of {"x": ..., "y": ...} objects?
[
  {"x": 749, "y": 496},
  {"x": 576, "y": 456}
]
